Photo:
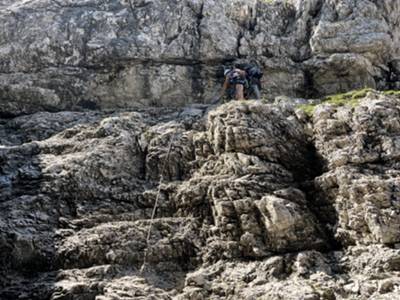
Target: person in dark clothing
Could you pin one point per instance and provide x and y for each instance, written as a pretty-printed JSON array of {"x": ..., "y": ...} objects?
[{"x": 243, "y": 81}]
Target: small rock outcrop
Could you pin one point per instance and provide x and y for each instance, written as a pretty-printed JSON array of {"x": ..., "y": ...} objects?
[{"x": 361, "y": 147}]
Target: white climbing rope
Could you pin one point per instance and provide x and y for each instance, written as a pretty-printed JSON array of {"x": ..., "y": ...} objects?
[{"x": 157, "y": 199}]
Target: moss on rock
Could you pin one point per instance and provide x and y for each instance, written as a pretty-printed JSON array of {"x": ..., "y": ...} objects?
[{"x": 351, "y": 98}]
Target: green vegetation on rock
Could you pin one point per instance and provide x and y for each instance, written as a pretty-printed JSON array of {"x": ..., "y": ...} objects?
[
  {"x": 350, "y": 98},
  {"x": 308, "y": 108},
  {"x": 392, "y": 93}
]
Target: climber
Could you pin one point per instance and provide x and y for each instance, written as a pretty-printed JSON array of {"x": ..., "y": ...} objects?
[
  {"x": 235, "y": 78},
  {"x": 241, "y": 81}
]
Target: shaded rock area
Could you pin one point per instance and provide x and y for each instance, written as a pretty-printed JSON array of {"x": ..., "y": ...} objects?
[
  {"x": 60, "y": 55},
  {"x": 251, "y": 203}
]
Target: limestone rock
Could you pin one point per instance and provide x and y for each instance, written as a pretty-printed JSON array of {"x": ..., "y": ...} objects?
[
  {"x": 246, "y": 206},
  {"x": 122, "y": 54},
  {"x": 361, "y": 147}
]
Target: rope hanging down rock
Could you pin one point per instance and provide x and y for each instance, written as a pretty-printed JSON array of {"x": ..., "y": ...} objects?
[{"x": 157, "y": 198}]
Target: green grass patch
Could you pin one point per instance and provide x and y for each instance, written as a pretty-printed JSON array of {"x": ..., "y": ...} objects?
[
  {"x": 351, "y": 98},
  {"x": 308, "y": 108},
  {"x": 392, "y": 93}
]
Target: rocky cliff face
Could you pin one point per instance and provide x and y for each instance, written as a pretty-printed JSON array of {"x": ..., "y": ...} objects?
[
  {"x": 57, "y": 55},
  {"x": 255, "y": 201}
]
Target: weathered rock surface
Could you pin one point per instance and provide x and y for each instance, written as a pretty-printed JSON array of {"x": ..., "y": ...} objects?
[
  {"x": 361, "y": 146},
  {"x": 57, "y": 55},
  {"x": 250, "y": 205}
]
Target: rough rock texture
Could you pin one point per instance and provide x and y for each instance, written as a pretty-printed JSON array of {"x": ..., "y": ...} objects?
[
  {"x": 57, "y": 55},
  {"x": 250, "y": 203},
  {"x": 253, "y": 200},
  {"x": 362, "y": 148}
]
